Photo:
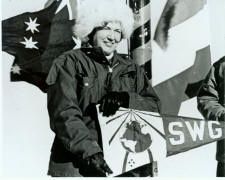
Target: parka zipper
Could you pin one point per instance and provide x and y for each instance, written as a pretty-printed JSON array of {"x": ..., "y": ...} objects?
[
  {"x": 111, "y": 68},
  {"x": 109, "y": 75}
]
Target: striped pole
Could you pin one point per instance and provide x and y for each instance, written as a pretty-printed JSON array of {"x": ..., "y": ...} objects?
[{"x": 140, "y": 44}]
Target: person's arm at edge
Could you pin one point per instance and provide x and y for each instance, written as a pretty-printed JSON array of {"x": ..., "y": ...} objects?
[{"x": 208, "y": 98}]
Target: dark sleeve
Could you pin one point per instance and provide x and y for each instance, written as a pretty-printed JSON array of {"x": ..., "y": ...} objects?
[
  {"x": 208, "y": 97},
  {"x": 145, "y": 98},
  {"x": 65, "y": 114}
]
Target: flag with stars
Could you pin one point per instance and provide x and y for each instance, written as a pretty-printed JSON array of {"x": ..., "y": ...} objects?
[{"x": 36, "y": 39}]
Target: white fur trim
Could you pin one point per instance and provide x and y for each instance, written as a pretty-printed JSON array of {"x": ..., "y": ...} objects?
[{"x": 92, "y": 13}]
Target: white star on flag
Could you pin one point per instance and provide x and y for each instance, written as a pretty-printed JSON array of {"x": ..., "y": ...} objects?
[
  {"x": 29, "y": 43},
  {"x": 71, "y": 5},
  {"x": 32, "y": 25},
  {"x": 15, "y": 69}
]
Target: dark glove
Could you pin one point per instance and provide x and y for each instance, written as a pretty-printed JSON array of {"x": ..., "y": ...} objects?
[
  {"x": 97, "y": 162},
  {"x": 111, "y": 102}
]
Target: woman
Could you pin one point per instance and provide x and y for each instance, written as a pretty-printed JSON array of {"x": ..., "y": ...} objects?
[{"x": 80, "y": 79}]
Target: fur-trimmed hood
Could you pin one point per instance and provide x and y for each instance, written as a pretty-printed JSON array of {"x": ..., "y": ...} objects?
[{"x": 92, "y": 13}]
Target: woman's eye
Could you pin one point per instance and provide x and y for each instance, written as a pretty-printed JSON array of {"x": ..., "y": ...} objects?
[
  {"x": 118, "y": 31},
  {"x": 106, "y": 28}
]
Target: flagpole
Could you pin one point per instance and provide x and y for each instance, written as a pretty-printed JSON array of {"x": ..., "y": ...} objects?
[
  {"x": 140, "y": 41},
  {"x": 139, "y": 46},
  {"x": 128, "y": 41}
]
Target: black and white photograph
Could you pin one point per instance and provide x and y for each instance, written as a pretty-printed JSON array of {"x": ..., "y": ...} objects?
[{"x": 112, "y": 88}]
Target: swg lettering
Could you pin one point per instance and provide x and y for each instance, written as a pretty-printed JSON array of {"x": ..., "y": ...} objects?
[{"x": 196, "y": 130}]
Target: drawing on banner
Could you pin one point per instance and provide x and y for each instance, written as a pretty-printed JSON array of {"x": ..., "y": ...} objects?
[{"x": 134, "y": 137}]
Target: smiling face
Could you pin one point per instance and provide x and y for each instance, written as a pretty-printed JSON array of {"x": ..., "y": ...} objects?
[{"x": 107, "y": 37}]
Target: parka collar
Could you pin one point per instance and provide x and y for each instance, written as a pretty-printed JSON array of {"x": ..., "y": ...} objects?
[{"x": 97, "y": 55}]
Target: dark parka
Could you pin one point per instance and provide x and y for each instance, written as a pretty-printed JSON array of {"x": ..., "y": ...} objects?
[
  {"x": 211, "y": 100},
  {"x": 77, "y": 81}
]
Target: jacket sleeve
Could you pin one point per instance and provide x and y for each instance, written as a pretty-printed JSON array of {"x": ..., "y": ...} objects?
[
  {"x": 208, "y": 97},
  {"x": 65, "y": 114},
  {"x": 145, "y": 98}
]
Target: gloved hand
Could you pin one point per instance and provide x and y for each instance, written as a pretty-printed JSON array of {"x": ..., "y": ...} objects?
[
  {"x": 97, "y": 162},
  {"x": 111, "y": 102}
]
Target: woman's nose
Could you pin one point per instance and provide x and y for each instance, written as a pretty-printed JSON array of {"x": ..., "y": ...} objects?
[{"x": 111, "y": 35}]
